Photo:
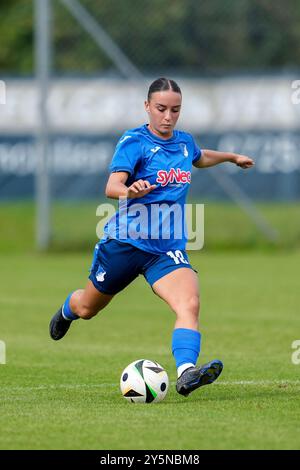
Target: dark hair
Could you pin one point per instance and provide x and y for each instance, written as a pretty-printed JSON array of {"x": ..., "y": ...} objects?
[{"x": 163, "y": 84}]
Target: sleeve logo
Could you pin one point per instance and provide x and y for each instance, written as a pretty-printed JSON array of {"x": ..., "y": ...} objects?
[{"x": 124, "y": 138}]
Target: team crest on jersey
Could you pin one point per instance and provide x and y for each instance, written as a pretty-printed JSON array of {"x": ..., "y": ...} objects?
[
  {"x": 173, "y": 175},
  {"x": 184, "y": 150},
  {"x": 100, "y": 274}
]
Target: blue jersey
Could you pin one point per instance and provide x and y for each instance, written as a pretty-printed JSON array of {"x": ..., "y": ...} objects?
[{"x": 155, "y": 222}]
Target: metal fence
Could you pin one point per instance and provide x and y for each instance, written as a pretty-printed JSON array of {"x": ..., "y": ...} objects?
[
  {"x": 182, "y": 36},
  {"x": 159, "y": 36},
  {"x": 94, "y": 66}
]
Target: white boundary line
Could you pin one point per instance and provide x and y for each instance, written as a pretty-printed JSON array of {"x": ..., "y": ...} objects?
[{"x": 261, "y": 383}]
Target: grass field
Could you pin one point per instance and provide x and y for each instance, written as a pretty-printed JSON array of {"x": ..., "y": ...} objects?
[
  {"x": 65, "y": 395},
  {"x": 74, "y": 226}
]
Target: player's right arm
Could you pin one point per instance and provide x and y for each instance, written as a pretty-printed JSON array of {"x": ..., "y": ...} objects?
[
  {"x": 127, "y": 156},
  {"x": 116, "y": 187}
]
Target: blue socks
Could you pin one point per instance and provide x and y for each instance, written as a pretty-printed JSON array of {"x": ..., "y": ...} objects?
[
  {"x": 185, "y": 348},
  {"x": 67, "y": 312}
]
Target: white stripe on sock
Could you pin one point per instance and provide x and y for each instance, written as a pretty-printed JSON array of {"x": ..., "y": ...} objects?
[
  {"x": 62, "y": 312},
  {"x": 183, "y": 367}
]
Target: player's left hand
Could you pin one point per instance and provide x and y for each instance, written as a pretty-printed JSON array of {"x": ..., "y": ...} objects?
[{"x": 244, "y": 162}]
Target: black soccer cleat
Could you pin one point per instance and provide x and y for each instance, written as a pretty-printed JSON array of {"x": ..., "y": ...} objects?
[
  {"x": 59, "y": 325},
  {"x": 195, "y": 377}
]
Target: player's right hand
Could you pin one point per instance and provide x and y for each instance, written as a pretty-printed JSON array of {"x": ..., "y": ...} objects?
[{"x": 139, "y": 189}]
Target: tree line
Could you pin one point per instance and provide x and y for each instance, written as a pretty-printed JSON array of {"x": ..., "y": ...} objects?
[{"x": 187, "y": 36}]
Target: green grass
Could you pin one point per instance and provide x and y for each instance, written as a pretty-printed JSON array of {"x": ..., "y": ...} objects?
[
  {"x": 65, "y": 395},
  {"x": 227, "y": 227}
]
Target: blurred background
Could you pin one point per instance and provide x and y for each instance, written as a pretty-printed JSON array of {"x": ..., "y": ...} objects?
[
  {"x": 76, "y": 74},
  {"x": 73, "y": 77}
]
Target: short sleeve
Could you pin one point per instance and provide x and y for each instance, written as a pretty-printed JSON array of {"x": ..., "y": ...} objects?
[
  {"x": 197, "y": 152},
  {"x": 127, "y": 154}
]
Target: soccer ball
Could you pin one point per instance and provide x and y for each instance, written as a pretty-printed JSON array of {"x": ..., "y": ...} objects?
[{"x": 144, "y": 381}]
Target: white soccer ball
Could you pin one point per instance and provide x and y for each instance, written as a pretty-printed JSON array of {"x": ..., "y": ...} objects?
[{"x": 144, "y": 381}]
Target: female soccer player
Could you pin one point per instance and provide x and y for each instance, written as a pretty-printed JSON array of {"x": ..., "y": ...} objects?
[{"x": 152, "y": 166}]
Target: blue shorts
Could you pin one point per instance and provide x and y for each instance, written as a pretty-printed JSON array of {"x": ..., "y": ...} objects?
[{"x": 116, "y": 264}]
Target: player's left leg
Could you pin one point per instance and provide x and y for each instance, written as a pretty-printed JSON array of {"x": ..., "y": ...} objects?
[{"x": 180, "y": 290}]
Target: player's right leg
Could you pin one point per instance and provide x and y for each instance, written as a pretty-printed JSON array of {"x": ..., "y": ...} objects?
[
  {"x": 115, "y": 265},
  {"x": 82, "y": 303}
]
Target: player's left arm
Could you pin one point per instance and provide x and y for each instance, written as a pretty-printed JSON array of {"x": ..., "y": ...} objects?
[{"x": 213, "y": 157}]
